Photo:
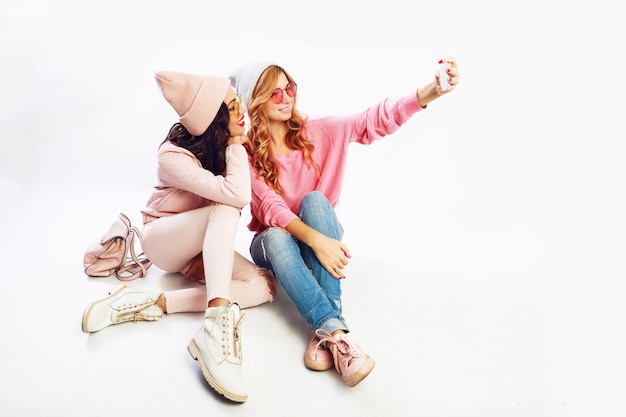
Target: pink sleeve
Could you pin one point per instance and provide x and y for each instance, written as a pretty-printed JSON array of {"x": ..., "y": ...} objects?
[
  {"x": 376, "y": 122},
  {"x": 266, "y": 206},
  {"x": 180, "y": 169}
]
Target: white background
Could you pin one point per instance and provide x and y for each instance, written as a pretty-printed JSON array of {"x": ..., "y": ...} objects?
[{"x": 487, "y": 234}]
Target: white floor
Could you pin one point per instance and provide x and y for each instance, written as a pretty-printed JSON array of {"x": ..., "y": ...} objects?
[{"x": 488, "y": 234}]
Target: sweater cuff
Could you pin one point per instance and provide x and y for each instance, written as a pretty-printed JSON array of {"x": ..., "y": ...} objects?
[
  {"x": 410, "y": 105},
  {"x": 285, "y": 218},
  {"x": 237, "y": 152}
]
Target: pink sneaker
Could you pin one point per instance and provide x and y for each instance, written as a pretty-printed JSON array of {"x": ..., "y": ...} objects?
[
  {"x": 350, "y": 360},
  {"x": 317, "y": 357}
]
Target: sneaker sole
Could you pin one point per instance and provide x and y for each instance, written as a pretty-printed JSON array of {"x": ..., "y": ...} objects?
[
  {"x": 194, "y": 351},
  {"x": 361, "y": 373},
  {"x": 91, "y": 306}
]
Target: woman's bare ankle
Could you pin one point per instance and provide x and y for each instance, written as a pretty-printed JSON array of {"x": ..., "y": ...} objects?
[
  {"x": 218, "y": 302},
  {"x": 160, "y": 302}
]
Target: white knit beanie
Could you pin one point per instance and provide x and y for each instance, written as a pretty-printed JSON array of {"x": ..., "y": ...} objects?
[
  {"x": 244, "y": 79},
  {"x": 195, "y": 98}
]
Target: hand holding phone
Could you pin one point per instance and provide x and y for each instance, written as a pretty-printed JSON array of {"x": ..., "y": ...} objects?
[{"x": 443, "y": 75}]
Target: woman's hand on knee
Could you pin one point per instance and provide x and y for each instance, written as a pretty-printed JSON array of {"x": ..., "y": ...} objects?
[{"x": 333, "y": 255}]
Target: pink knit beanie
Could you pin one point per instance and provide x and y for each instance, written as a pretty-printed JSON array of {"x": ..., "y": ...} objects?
[{"x": 195, "y": 98}]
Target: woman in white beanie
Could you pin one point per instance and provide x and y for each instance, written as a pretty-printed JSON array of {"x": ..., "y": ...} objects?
[
  {"x": 190, "y": 223},
  {"x": 297, "y": 175}
]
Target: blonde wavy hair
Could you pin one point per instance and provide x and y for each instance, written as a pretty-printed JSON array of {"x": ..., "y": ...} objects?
[{"x": 260, "y": 135}]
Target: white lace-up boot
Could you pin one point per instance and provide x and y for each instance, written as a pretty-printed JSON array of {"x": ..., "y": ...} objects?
[
  {"x": 217, "y": 347},
  {"x": 121, "y": 305}
]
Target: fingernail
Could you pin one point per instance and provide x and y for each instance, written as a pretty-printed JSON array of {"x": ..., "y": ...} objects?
[{"x": 441, "y": 61}]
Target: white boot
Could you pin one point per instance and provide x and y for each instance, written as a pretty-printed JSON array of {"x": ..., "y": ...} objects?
[
  {"x": 217, "y": 346},
  {"x": 121, "y": 305}
]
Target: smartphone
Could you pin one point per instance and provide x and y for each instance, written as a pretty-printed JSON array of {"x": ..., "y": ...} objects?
[{"x": 443, "y": 76}]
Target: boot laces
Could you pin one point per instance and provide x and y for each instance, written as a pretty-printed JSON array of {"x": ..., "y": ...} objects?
[
  {"x": 237, "y": 338},
  {"x": 231, "y": 342},
  {"x": 135, "y": 306}
]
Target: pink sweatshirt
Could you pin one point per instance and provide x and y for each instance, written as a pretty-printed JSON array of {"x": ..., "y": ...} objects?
[
  {"x": 331, "y": 136},
  {"x": 183, "y": 185}
]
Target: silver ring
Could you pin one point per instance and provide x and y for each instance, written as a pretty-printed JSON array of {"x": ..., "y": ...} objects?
[{"x": 336, "y": 269}]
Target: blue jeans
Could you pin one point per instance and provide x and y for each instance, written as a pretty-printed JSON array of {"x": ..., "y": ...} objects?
[{"x": 315, "y": 293}]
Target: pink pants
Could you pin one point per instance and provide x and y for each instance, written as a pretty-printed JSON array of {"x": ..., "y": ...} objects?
[{"x": 171, "y": 242}]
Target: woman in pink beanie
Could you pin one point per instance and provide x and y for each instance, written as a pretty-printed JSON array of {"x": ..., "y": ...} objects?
[
  {"x": 190, "y": 224},
  {"x": 297, "y": 168}
]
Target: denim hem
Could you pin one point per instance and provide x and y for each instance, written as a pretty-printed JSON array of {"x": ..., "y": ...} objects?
[{"x": 334, "y": 324}]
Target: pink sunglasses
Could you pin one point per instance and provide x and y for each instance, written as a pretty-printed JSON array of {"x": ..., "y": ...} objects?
[{"x": 291, "y": 89}]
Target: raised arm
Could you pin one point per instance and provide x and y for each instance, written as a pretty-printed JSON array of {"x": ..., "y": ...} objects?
[{"x": 432, "y": 90}]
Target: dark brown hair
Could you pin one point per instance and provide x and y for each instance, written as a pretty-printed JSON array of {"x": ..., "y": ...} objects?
[{"x": 209, "y": 147}]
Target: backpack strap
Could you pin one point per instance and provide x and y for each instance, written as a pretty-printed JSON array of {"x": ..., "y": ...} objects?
[{"x": 136, "y": 266}]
